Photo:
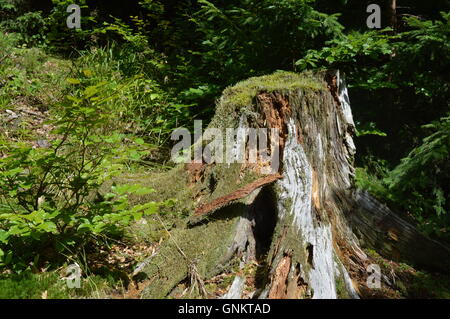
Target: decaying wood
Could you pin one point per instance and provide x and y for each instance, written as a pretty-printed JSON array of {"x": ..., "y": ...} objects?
[
  {"x": 393, "y": 237},
  {"x": 278, "y": 289},
  {"x": 238, "y": 194},
  {"x": 306, "y": 224}
]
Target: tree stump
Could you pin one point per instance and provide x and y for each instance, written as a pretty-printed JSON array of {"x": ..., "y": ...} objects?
[{"x": 294, "y": 224}]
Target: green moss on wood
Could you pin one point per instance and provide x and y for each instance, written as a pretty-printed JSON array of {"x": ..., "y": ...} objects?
[
  {"x": 205, "y": 245},
  {"x": 240, "y": 97}
]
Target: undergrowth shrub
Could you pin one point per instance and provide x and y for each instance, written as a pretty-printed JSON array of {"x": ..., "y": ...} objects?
[
  {"x": 48, "y": 195},
  {"x": 418, "y": 186},
  {"x": 420, "y": 183},
  {"x": 145, "y": 105}
]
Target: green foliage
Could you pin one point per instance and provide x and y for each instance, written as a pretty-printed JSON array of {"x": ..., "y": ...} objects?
[
  {"x": 420, "y": 182},
  {"x": 48, "y": 194},
  {"x": 34, "y": 286},
  {"x": 137, "y": 39},
  {"x": 422, "y": 55},
  {"x": 368, "y": 129},
  {"x": 59, "y": 36},
  {"x": 397, "y": 80},
  {"x": 354, "y": 54},
  {"x": 248, "y": 37},
  {"x": 405, "y": 71},
  {"x": 371, "y": 177},
  {"x": 29, "y": 27},
  {"x": 210, "y": 46},
  {"x": 142, "y": 102},
  {"x": 379, "y": 59},
  {"x": 411, "y": 283},
  {"x": 417, "y": 186},
  {"x": 425, "y": 285},
  {"x": 29, "y": 74},
  {"x": 367, "y": 181}
]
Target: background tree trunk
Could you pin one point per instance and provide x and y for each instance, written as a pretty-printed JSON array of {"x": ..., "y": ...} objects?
[{"x": 392, "y": 14}]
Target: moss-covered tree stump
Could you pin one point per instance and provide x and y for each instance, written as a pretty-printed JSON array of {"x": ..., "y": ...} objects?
[{"x": 283, "y": 235}]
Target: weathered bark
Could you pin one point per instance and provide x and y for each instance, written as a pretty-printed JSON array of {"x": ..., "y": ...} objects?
[
  {"x": 300, "y": 222},
  {"x": 393, "y": 237}
]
